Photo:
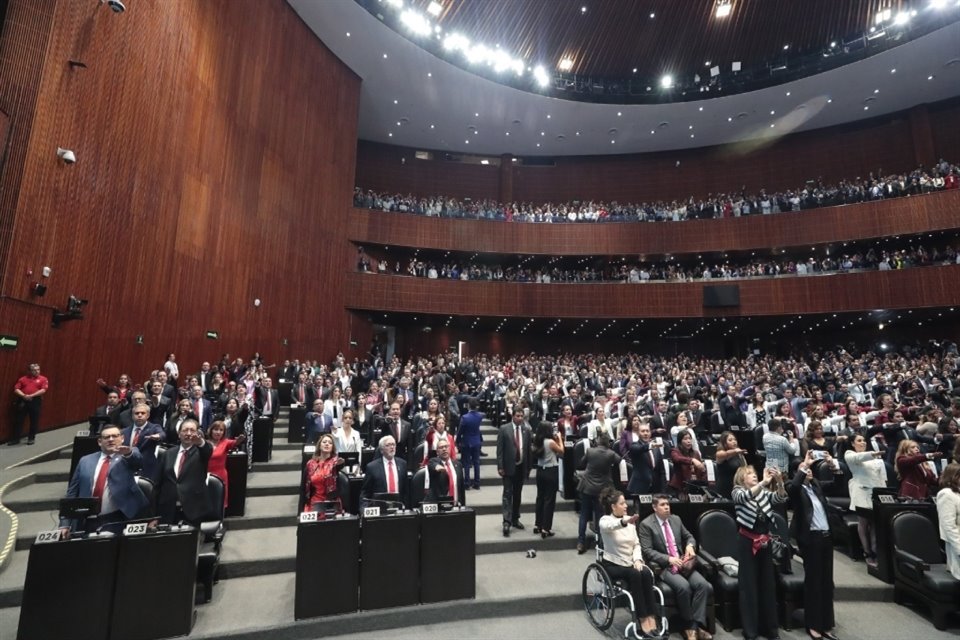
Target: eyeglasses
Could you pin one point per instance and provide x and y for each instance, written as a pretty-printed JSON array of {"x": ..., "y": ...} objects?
[{"x": 110, "y": 436}]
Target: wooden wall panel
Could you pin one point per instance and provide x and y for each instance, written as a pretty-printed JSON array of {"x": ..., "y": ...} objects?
[
  {"x": 213, "y": 139},
  {"x": 911, "y": 288},
  {"x": 867, "y": 220},
  {"x": 834, "y": 153},
  {"x": 945, "y": 130}
]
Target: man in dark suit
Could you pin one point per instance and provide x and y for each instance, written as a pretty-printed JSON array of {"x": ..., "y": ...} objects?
[
  {"x": 670, "y": 550},
  {"x": 647, "y": 455},
  {"x": 109, "y": 413},
  {"x": 513, "y": 465},
  {"x": 182, "y": 483},
  {"x": 733, "y": 417},
  {"x": 659, "y": 421},
  {"x": 109, "y": 475},
  {"x": 302, "y": 393},
  {"x": 812, "y": 531},
  {"x": 386, "y": 473},
  {"x": 145, "y": 436},
  {"x": 160, "y": 405},
  {"x": 205, "y": 377},
  {"x": 402, "y": 432},
  {"x": 266, "y": 400},
  {"x": 125, "y": 419},
  {"x": 446, "y": 475},
  {"x": 167, "y": 389},
  {"x": 317, "y": 422},
  {"x": 201, "y": 407}
]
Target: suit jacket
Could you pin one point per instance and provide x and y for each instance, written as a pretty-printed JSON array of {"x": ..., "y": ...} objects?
[
  {"x": 112, "y": 416},
  {"x": 171, "y": 433},
  {"x": 190, "y": 489},
  {"x": 147, "y": 446},
  {"x": 654, "y": 547},
  {"x": 309, "y": 394},
  {"x": 599, "y": 463},
  {"x": 404, "y": 439},
  {"x": 731, "y": 413},
  {"x": 206, "y": 380},
  {"x": 439, "y": 483},
  {"x": 375, "y": 479},
  {"x": 803, "y": 506},
  {"x": 648, "y": 476},
  {"x": 916, "y": 480},
  {"x": 121, "y": 480},
  {"x": 205, "y": 417},
  {"x": 507, "y": 449},
  {"x": 260, "y": 401}
]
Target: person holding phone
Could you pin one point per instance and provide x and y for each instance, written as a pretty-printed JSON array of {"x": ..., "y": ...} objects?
[
  {"x": 548, "y": 451},
  {"x": 623, "y": 559}
]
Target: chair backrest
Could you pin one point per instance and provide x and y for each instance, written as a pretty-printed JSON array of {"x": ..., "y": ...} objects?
[
  {"x": 582, "y": 432},
  {"x": 416, "y": 460},
  {"x": 147, "y": 489},
  {"x": 418, "y": 487},
  {"x": 579, "y": 451},
  {"x": 917, "y": 535},
  {"x": 779, "y": 527},
  {"x": 343, "y": 490},
  {"x": 717, "y": 533},
  {"x": 758, "y": 437},
  {"x": 214, "y": 497}
]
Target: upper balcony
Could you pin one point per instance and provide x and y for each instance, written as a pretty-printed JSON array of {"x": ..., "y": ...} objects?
[{"x": 912, "y": 215}]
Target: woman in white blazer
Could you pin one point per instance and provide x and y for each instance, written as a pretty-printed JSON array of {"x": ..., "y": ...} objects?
[
  {"x": 868, "y": 472},
  {"x": 948, "y": 512}
]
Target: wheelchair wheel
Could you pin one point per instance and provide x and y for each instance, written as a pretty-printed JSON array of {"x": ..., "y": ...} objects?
[{"x": 598, "y": 597}]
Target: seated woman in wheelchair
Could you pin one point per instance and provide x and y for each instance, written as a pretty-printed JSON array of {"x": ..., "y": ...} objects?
[{"x": 623, "y": 559}]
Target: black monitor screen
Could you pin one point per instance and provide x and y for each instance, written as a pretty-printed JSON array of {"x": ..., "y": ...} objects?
[{"x": 725, "y": 295}]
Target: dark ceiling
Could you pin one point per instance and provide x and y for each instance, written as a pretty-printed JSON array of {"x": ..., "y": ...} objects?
[{"x": 614, "y": 37}]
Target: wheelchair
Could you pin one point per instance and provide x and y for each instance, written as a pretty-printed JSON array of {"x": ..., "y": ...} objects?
[{"x": 601, "y": 594}]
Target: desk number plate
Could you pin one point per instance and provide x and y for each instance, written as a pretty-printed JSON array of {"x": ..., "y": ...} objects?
[
  {"x": 371, "y": 512},
  {"x": 696, "y": 498},
  {"x": 645, "y": 498},
  {"x": 47, "y": 536},
  {"x": 135, "y": 529},
  {"x": 430, "y": 508},
  {"x": 83, "y": 433},
  {"x": 887, "y": 499},
  {"x": 308, "y": 516}
]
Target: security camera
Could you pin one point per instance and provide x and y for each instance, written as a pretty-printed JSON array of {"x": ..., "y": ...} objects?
[
  {"x": 68, "y": 156},
  {"x": 117, "y": 6}
]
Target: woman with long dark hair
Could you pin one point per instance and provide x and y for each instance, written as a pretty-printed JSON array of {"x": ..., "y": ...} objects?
[{"x": 548, "y": 451}]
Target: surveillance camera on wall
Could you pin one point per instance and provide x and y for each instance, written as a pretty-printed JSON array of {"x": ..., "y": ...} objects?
[
  {"x": 68, "y": 156},
  {"x": 117, "y": 6}
]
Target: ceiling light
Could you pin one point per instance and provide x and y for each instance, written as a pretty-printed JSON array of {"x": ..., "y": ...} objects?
[
  {"x": 466, "y": 142},
  {"x": 691, "y": 135},
  {"x": 723, "y": 8},
  {"x": 707, "y": 63},
  {"x": 348, "y": 34},
  {"x": 429, "y": 75},
  {"x": 395, "y": 102},
  {"x": 893, "y": 70},
  {"x": 833, "y": 45},
  {"x": 565, "y": 64},
  {"x": 652, "y": 16},
  {"x": 701, "y": 109},
  {"x": 788, "y": 94},
  {"x": 634, "y": 69},
  {"x": 902, "y": 18},
  {"x": 434, "y": 9},
  {"x": 772, "y": 112},
  {"x": 431, "y": 126},
  {"x": 395, "y": 3},
  {"x": 390, "y": 135},
  {"x": 456, "y": 41},
  {"x": 866, "y": 108},
  {"x": 484, "y": 162},
  {"x": 416, "y": 23},
  {"x": 666, "y": 81},
  {"x": 548, "y": 116},
  {"x": 583, "y": 9},
  {"x": 540, "y": 75},
  {"x": 538, "y": 144},
  {"x": 384, "y": 56},
  {"x": 876, "y": 90},
  {"x": 729, "y": 119},
  {"x": 785, "y": 47},
  {"x": 930, "y": 77},
  {"x": 619, "y": 113},
  {"x": 652, "y": 132},
  {"x": 508, "y": 133}
]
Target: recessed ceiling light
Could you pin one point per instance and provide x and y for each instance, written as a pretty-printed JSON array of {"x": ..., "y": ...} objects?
[
  {"x": 548, "y": 116},
  {"x": 691, "y": 135},
  {"x": 583, "y": 9},
  {"x": 538, "y": 144},
  {"x": 729, "y": 119},
  {"x": 395, "y": 102},
  {"x": 893, "y": 70},
  {"x": 876, "y": 90},
  {"x": 578, "y": 133},
  {"x": 652, "y": 132},
  {"x": 829, "y": 100},
  {"x": 390, "y": 135},
  {"x": 429, "y": 75},
  {"x": 701, "y": 109},
  {"x": 466, "y": 142},
  {"x": 772, "y": 125},
  {"x": 788, "y": 93},
  {"x": 434, "y": 9},
  {"x": 476, "y": 115},
  {"x": 384, "y": 56},
  {"x": 619, "y": 113},
  {"x": 348, "y": 34},
  {"x": 613, "y": 142},
  {"x": 508, "y": 133},
  {"x": 866, "y": 108},
  {"x": 772, "y": 112},
  {"x": 707, "y": 63},
  {"x": 431, "y": 126},
  {"x": 666, "y": 81},
  {"x": 565, "y": 64},
  {"x": 785, "y": 47},
  {"x": 398, "y": 123},
  {"x": 634, "y": 69},
  {"x": 930, "y": 77},
  {"x": 652, "y": 16}
]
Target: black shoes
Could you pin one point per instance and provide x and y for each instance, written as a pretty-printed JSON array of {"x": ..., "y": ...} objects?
[
  {"x": 536, "y": 530},
  {"x": 518, "y": 525},
  {"x": 31, "y": 441},
  {"x": 13, "y": 443},
  {"x": 506, "y": 529}
]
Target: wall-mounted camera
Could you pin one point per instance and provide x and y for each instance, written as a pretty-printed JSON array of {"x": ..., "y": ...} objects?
[{"x": 74, "y": 311}]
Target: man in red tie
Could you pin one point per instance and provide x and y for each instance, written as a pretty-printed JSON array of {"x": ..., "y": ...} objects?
[
  {"x": 513, "y": 465},
  {"x": 145, "y": 436},
  {"x": 182, "y": 483},
  {"x": 108, "y": 475},
  {"x": 386, "y": 473},
  {"x": 670, "y": 550},
  {"x": 201, "y": 407},
  {"x": 446, "y": 475}
]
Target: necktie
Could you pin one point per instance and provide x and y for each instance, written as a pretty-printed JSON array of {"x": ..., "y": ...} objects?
[
  {"x": 266, "y": 405},
  {"x": 396, "y": 430},
  {"x": 452, "y": 486},
  {"x": 518, "y": 441},
  {"x": 301, "y": 394},
  {"x": 183, "y": 458},
  {"x": 136, "y": 437},
  {"x": 671, "y": 544},
  {"x": 391, "y": 478},
  {"x": 199, "y": 411},
  {"x": 101, "y": 482}
]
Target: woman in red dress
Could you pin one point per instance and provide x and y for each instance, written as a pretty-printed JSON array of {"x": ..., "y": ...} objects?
[
  {"x": 222, "y": 445},
  {"x": 322, "y": 470}
]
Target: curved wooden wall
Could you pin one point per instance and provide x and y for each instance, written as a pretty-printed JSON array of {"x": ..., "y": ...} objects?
[
  {"x": 831, "y": 224},
  {"x": 910, "y": 288}
]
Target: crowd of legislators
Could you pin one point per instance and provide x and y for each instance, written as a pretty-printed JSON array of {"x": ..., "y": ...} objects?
[
  {"x": 884, "y": 260},
  {"x": 735, "y": 203}
]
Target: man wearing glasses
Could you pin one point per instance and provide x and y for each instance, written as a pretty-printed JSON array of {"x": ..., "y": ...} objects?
[{"x": 108, "y": 475}]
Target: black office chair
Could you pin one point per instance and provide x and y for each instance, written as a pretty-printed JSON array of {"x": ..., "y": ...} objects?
[
  {"x": 147, "y": 489},
  {"x": 418, "y": 487},
  {"x": 211, "y": 539},
  {"x": 416, "y": 458},
  {"x": 789, "y": 576},
  {"x": 717, "y": 533},
  {"x": 919, "y": 569}
]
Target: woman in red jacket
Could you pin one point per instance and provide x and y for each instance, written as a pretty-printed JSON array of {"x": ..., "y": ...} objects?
[
  {"x": 917, "y": 479},
  {"x": 222, "y": 445},
  {"x": 687, "y": 464}
]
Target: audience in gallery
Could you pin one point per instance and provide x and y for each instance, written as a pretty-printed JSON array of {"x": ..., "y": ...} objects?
[
  {"x": 870, "y": 258},
  {"x": 812, "y": 194}
]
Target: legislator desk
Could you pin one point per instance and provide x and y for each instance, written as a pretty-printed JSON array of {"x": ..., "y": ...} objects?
[
  {"x": 568, "y": 483},
  {"x": 390, "y": 560},
  {"x": 161, "y": 568},
  {"x": 82, "y": 445},
  {"x": 236, "y": 484},
  {"x": 688, "y": 512},
  {"x": 68, "y": 589},
  {"x": 262, "y": 439},
  {"x": 297, "y": 425},
  {"x": 349, "y": 502},
  {"x": 283, "y": 390},
  {"x": 328, "y": 566},
  {"x": 448, "y": 555},
  {"x": 885, "y": 506}
]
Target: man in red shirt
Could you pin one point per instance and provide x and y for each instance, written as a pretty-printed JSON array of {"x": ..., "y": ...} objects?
[{"x": 29, "y": 391}]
